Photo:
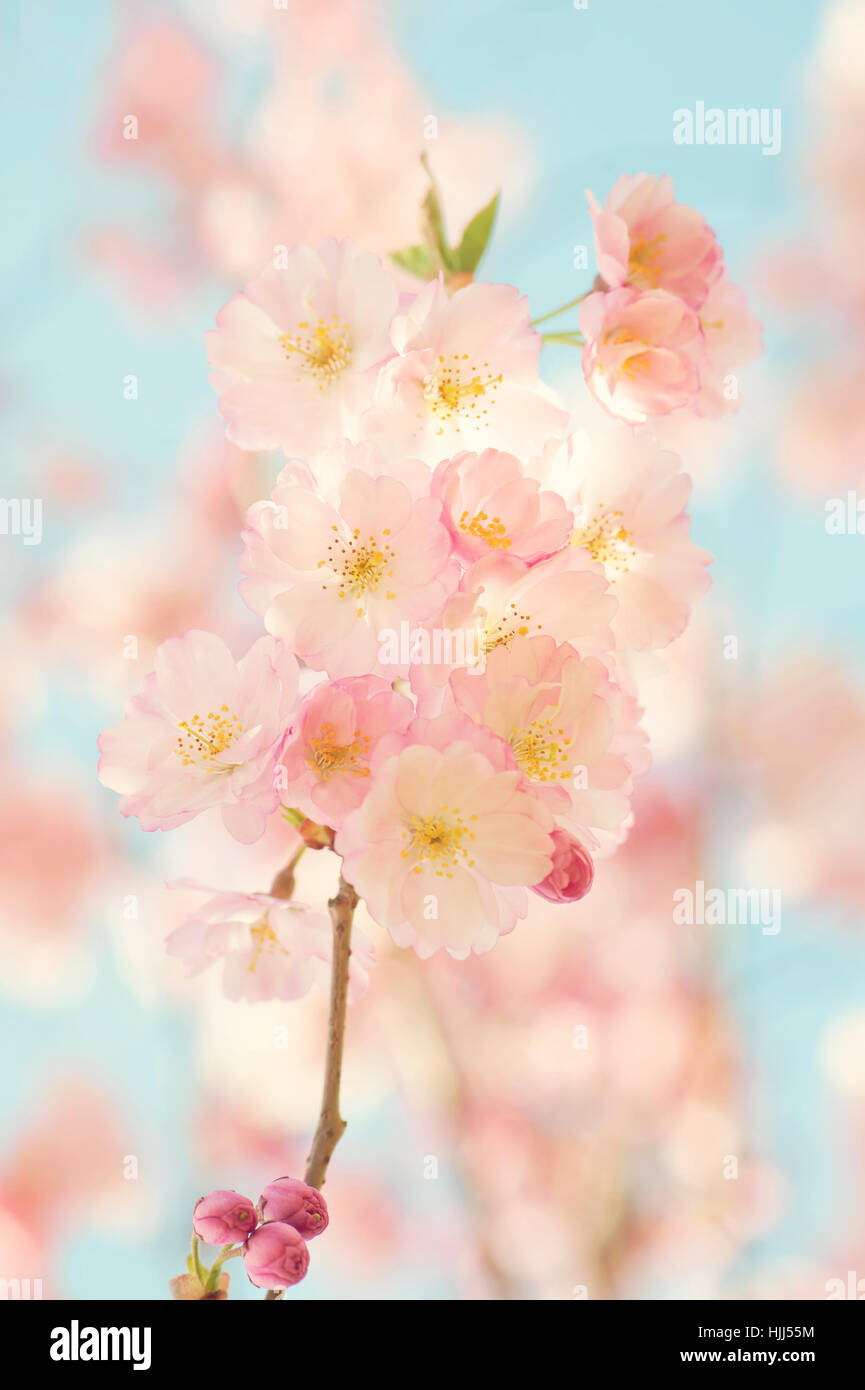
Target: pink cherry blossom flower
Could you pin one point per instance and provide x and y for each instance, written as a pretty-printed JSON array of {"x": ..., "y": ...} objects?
[
  {"x": 275, "y": 1256},
  {"x": 502, "y": 597},
  {"x": 732, "y": 339},
  {"x": 466, "y": 378},
  {"x": 271, "y": 948},
  {"x": 629, "y": 508},
  {"x": 223, "y": 1218},
  {"x": 642, "y": 352},
  {"x": 491, "y": 504},
  {"x": 558, "y": 712},
  {"x": 203, "y": 731},
  {"x": 331, "y": 581},
  {"x": 565, "y": 596},
  {"x": 302, "y": 1206},
  {"x": 327, "y": 758},
  {"x": 572, "y": 873},
  {"x": 442, "y": 848},
  {"x": 646, "y": 240},
  {"x": 296, "y": 356}
]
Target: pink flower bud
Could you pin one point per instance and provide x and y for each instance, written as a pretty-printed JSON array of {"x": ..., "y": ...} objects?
[
  {"x": 276, "y": 1256},
  {"x": 302, "y": 1206},
  {"x": 221, "y": 1218},
  {"x": 572, "y": 873}
]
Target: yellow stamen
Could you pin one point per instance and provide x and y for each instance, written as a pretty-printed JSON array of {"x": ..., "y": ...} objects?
[
  {"x": 644, "y": 267},
  {"x": 358, "y": 567},
  {"x": 323, "y": 351},
  {"x": 605, "y": 538},
  {"x": 264, "y": 941},
  {"x": 492, "y": 530},
  {"x": 327, "y": 757},
  {"x": 441, "y": 840},
  {"x": 202, "y": 738},
  {"x": 542, "y": 751},
  {"x": 458, "y": 390}
]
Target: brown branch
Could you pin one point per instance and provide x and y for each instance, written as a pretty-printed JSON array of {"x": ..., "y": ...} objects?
[{"x": 331, "y": 1125}]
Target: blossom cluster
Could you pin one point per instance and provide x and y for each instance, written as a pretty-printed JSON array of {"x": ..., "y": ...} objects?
[
  {"x": 453, "y": 582},
  {"x": 667, "y": 326},
  {"x": 271, "y": 1237}
]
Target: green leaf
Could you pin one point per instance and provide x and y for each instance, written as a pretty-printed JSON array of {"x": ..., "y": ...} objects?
[
  {"x": 416, "y": 260},
  {"x": 435, "y": 227},
  {"x": 475, "y": 238},
  {"x": 433, "y": 223}
]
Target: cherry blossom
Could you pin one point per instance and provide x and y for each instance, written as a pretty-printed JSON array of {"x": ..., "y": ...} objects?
[
  {"x": 642, "y": 352},
  {"x": 270, "y": 948},
  {"x": 203, "y": 731},
  {"x": 557, "y": 711},
  {"x": 465, "y": 377},
  {"x": 443, "y": 847},
  {"x": 492, "y": 504},
  {"x": 295, "y": 357},
  {"x": 327, "y": 759},
  {"x": 329, "y": 581},
  {"x": 646, "y": 240},
  {"x": 502, "y": 597},
  {"x": 731, "y": 336},
  {"x": 629, "y": 508}
]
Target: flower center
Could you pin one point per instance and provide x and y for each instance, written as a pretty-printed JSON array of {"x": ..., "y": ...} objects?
[
  {"x": 608, "y": 542},
  {"x": 327, "y": 757},
  {"x": 203, "y": 737},
  {"x": 441, "y": 840},
  {"x": 458, "y": 389},
  {"x": 264, "y": 942},
  {"x": 637, "y": 361},
  {"x": 324, "y": 351},
  {"x": 486, "y": 528},
  {"x": 511, "y": 624},
  {"x": 542, "y": 751},
  {"x": 359, "y": 567},
  {"x": 644, "y": 261}
]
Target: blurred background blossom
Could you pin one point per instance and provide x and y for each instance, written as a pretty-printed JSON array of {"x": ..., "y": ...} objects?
[{"x": 561, "y": 1114}]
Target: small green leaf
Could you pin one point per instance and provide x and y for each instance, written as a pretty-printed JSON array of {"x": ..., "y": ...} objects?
[
  {"x": 435, "y": 229},
  {"x": 475, "y": 238},
  {"x": 433, "y": 222},
  {"x": 416, "y": 260}
]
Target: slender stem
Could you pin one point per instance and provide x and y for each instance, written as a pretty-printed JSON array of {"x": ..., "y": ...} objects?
[
  {"x": 331, "y": 1125},
  {"x": 232, "y": 1255},
  {"x": 572, "y": 339},
  {"x": 283, "y": 884},
  {"x": 215, "y": 1274},
  {"x": 196, "y": 1260},
  {"x": 554, "y": 313}
]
